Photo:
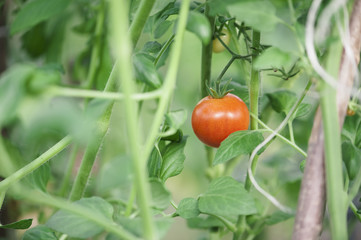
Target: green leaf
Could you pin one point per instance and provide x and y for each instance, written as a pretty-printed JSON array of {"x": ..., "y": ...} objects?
[
  {"x": 282, "y": 38},
  {"x": 278, "y": 217},
  {"x": 44, "y": 77},
  {"x": 226, "y": 197},
  {"x": 173, "y": 159},
  {"x": 260, "y": 15},
  {"x": 115, "y": 174},
  {"x": 159, "y": 5},
  {"x": 238, "y": 143},
  {"x": 273, "y": 58},
  {"x": 161, "y": 197},
  {"x": 162, "y": 225},
  {"x": 40, "y": 232},
  {"x": 352, "y": 158},
  {"x": 12, "y": 91},
  {"x": 155, "y": 163},
  {"x": 161, "y": 28},
  {"x": 175, "y": 119},
  {"x": 282, "y": 100},
  {"x": 41, "y": 176},
  {"x": 152, "y": 47},
  {"x": 22, "y": 224},
  {"x": 200, "y": 26},
  {"x": 219, "y": 6},
  {"x": 34, "y": 41},
  {"x": 188, "y": 208},
  {"x": 358, "y": 136},
  {"x": 78, "y": 226},
  {"x": 145, "y": 70},
  {"x": 303, "y": 110},
  {"x": 35, "y": 12},
  {"x": 204, "y": 222}
]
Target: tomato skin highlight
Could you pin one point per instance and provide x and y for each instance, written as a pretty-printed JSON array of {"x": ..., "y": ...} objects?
[{"x": 213, "y": 120}]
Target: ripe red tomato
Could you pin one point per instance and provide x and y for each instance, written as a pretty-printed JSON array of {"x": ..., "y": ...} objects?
[
  {"x": 213, "y": 120},
  {"x": 217, "y": 45}
]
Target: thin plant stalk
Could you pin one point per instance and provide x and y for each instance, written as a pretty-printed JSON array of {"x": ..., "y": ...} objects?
[
  {"x": 123, "y": 46},
  {"x": 35, "y": 164}
]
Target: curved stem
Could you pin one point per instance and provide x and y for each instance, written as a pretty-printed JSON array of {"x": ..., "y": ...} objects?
[
  {"x": 107, "y": 224},
  {"x": 164, "y": 48},
  {"x": 35, "y": 164},
  {"x": 282, "y": 138}
]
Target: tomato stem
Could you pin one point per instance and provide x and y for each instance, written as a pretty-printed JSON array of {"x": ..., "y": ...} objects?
[
  {"x": 35, "y": 164},
  {"x": 138, "y": 23},
  {"x": 96, "y": 55},
  {"x": 207, "y": 57}
]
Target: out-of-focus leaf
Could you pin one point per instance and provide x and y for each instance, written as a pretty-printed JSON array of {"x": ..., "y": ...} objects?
[
  {"x": 132, "y": 225},
  {"x": 226, "y": 197},
  {"x": 188, "y": 208},
  {"x": 351, "y": 156},
  {"x": 41, "y": 176},
  {"x": 34, "y": 42},
  {"x": 282, "y": 100},
  {"x": 204, "y": 222},
  {"x": 35, "y": 12},
  {"x": 260, "y": 15},
  {"x": 159, "y": 5},
  {"x": 278, "y": 217},
  {"x": 115, "y": 174},
  {"x": 77, "y": 226},
  {"x": 39, "y": 232},
  {"x": 220, "y": 6},
  {"x": 200, "y": 26},
  {"x": 12, "y": 91},
  {"x": 240, "y": 142},
  {"x": 22, "y": 224},
  {"x": 273, "y": 58},
  {"x": 152, "y": 47},
  {"x": 162, "y": 28},
  {"x": 160, "y": 195}
]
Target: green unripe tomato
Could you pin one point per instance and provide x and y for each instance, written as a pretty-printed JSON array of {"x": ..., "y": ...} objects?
[{"x": 217, "y": 45}]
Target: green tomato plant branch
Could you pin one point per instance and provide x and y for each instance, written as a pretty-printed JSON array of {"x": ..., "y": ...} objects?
[{"x": 94, "y": 144}]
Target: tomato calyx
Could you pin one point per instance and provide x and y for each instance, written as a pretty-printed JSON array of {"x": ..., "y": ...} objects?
[{"x": 219, "y": 92}]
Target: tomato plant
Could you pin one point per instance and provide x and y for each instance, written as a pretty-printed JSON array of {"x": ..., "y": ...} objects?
[
  {"x": 214, "y": 119},
  {"x": 95, "y": 129}
]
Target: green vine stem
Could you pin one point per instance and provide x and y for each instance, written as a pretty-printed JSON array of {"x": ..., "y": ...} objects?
[
  {"x": 35, "y": 164},
  {"x": 84, "y": 93},
  {"x": 254, "y": 86},
  {"x": 206, "y": 64},
  {"x": 94, "y": 144},
  {"x": 48, "y": 200},
  {"x": 67, "y": 176},
  {"x": 336, "y": 196},
  {"x": 139, "y": 20},
  {"x": 169, "y": 82},
  {"x": 97, "y": 47}
]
